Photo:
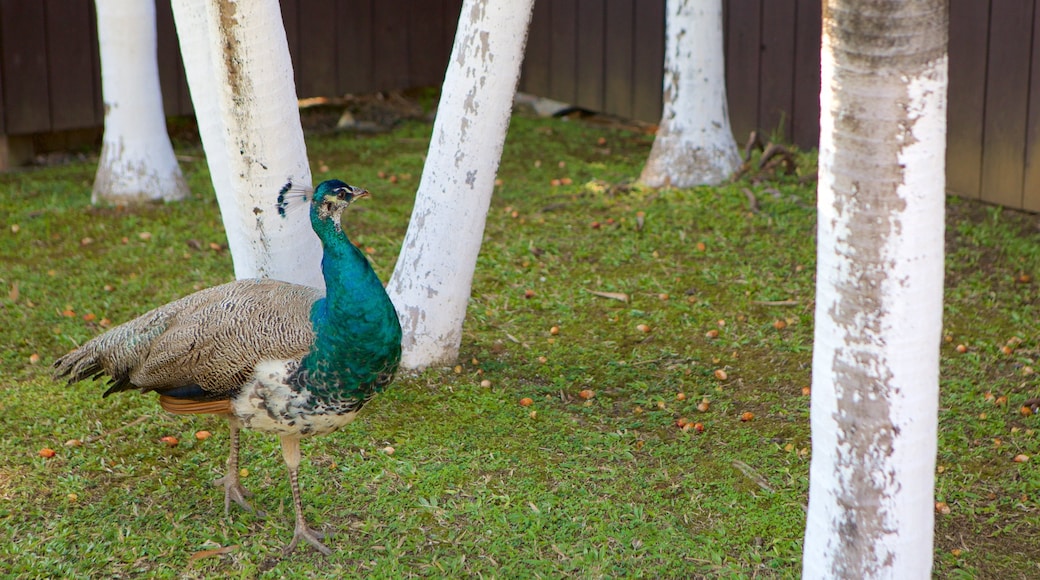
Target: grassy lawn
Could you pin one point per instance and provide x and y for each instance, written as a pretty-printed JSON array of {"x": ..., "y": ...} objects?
[{"x": 447, "y": 474}]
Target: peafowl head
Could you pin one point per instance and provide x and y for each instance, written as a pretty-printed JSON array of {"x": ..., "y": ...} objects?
[{"x": 330, "y": 199}]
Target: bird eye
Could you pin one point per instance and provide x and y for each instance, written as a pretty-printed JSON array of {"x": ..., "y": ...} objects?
[{"x": 341, "y": 193}]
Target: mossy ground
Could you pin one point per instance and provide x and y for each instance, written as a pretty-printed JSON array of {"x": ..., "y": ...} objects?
[{"x": 479, "y": 485}]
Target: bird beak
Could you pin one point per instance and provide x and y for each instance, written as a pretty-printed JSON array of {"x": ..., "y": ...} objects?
[{"x": 357, "y": 193}]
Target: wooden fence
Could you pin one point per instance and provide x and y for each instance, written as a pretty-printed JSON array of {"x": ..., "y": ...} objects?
[{"x": 604, "y": 55}]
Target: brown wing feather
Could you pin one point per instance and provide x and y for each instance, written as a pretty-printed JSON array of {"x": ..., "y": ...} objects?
[{"x": 212, "y": 338}]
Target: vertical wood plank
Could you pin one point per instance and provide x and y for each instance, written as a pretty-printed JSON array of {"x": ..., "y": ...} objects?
[
  {"x": 425, "y": 30},
  {"x": 315, "y": 65},
  {"x": 95, "y": 68},
  {"x": 168, "y": 53},
  {"x": 70, "y": 72},
  {"x": 1004, "y": 135},
  {"x": 776, "y": 87},
  {"x": 291, "y": 23},
  {"x": 538, "y": 54},
  {"x": 618, "y": 51},
  {"x": 591, "y": 47},
  {"x": 563, "y": 42},
  {"x": 389, "y": 45},
  {"x": 24, "y": 64},
  {"x": 648, "y": 60},
  {"x": 1031, "y": 187},
  {"x": 452, "y": 12},
  {"x": 743, "y": 42},
  {"x": 805, "y": 115},
  {"x": 354, "y": 57},
  {"x": 969, "y": 30}
]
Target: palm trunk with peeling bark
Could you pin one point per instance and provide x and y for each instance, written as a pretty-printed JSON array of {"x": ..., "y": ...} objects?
[
  {"x": 239, "y": 72},
  {"x": 431, "y": 283},
  {"x": 137, "y": 163},
  {"x": 879, "y": 290},
  {"x": 694, "y": 143}
]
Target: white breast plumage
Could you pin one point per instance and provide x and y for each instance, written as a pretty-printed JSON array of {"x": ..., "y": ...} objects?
[{"x": 270, "y": 405}]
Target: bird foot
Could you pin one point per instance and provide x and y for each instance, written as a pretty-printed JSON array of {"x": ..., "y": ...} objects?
[
  {"x": 234, "y": 491},
  {"x": 310, "y": 535}
]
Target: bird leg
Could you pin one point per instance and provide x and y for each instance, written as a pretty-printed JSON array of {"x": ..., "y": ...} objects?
[
  {"x": 291, "y": 454},
  {"x": 233, "y": 490}
]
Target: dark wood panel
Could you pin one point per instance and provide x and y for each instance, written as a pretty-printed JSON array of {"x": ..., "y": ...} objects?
[
  {"x": 563, "y": 42},
  {"x": 538, "y": 53},
  {"x": 618, "y": 50},
  {"x": 743, "y": 42},
  {"x": 24, "y": 65},
  {"x": 291, "y": 23},
  {"x": 354, "y": 57},
  {"x": 969, "y": 27},
  {"x": 452, "y": 12},
  {"x": 425, "y": 27},
  {"x": 1004, "y": 136},
  {"x": 1031, "y": 186},
  {"x": 70, "y": 65},
  {"x": 389, "y": 46},
  {"x": 776, "y": 85},
  {"x": 805, "y": 115},
  {"x": 591, "y": 48},
  {"x": 176, "y": 100},
  {"x": 648, "y": 60},
  {"x": 315, "y": 65}
]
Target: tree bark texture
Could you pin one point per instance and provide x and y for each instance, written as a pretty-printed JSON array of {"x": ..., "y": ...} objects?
[
  {"x": 694, "y": 143},
  {"x": 432, "y": 279},
  {"x": 137, "y": 163},
  {"x": 879, "y": 289},
  {"x": 239, "y": 72}
]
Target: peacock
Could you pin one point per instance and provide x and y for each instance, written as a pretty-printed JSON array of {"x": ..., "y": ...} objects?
[{"x": 272, "y": 356}]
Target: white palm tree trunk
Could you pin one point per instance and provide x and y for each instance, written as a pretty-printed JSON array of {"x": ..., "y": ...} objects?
[
  {"x": 694, "y": 143},
  {"x": 879, "y": 290},
  {"x": 431, "y": 282},
  {"x": 137, "y": 162},
  {"x": 240, "y": 75}
]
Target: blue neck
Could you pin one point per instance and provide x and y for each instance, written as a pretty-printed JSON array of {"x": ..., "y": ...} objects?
[{"x": 358, "y": 335}]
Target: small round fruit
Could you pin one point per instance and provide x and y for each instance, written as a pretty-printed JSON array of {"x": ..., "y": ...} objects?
[
  {"x": 170, "y": 440},
  {"x": 526, "y": 402},
  {"x": 643, "y": 328},
  {"x": 747, "y": 416},
  {"x": 713, "y": 333},
  {"x": 587, "y": 394},
  {"x": 47, "y": 452},
  {"x": 698, "y": 427},
  {"x": 721, "y": 375},
  {"x": 485, "y": 383},
  {"x": 962, "y": 349},
  {"x": 203, "y": 435}
]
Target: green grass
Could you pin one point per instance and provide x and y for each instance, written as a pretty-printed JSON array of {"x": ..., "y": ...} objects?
[{"x": 478, "y": 485}]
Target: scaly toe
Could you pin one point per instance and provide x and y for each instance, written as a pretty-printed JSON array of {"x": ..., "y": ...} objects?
[
  {"x": 309, "y": 535},
  {"x": 233, "y": 491}
]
